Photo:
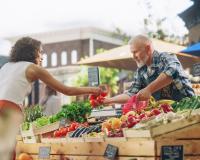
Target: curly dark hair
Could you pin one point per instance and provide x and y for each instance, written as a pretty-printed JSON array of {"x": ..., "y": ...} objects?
[{"x": 25, "y": 49}]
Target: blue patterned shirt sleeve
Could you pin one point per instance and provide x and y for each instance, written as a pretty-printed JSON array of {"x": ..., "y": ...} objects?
[{"x": 172, "y": 65}]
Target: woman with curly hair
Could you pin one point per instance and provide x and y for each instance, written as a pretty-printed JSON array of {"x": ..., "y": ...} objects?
[{"x": 16, "y": 78}]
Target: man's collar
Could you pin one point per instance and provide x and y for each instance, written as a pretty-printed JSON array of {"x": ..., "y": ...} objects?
[{"x": 155, "y": 58}]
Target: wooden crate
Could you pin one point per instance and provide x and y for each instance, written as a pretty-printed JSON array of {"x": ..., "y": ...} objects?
[
  {"x": 33, "y": 135},
  {"x": 168, "y": 130},
  {"x": 28, "y": 136}
]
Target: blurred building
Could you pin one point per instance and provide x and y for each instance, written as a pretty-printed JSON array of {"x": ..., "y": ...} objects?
[
  {"x": 191, "y": 17},
  {"x": 3, "y": 60},
  {"x": 64, "y": 48}
]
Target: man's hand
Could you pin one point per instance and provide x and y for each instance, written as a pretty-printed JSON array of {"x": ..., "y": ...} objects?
[
  {"x": 107, "y": 101},
  {"x": 144, "y": 94}
]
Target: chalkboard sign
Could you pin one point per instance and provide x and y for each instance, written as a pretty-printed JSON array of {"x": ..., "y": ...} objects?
[
  {"x": 111, "y": 152},
  {"x": 172, "y": 152},
  {"x": 44, "y": 152},
  {"x": 196, "y": 69},
  {"x": 93, "y": 76}
]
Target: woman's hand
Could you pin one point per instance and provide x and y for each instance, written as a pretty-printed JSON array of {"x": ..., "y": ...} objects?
[{"x": 96, "y": 90}]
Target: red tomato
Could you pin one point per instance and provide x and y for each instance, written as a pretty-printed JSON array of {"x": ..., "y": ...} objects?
[
  {"x": 103, "y": 94},
  {"x": 70, "y": 129},
  {"x": 100, "y": 99},
  {"x": 92, "y": 96},
  {"x": 76, "y": 126},
  {"x": 93, "y": 103},
  {"x": 57, "y": 134},
  {"x": 73, "y": 125},
  {"x": 64, "y": 131}
]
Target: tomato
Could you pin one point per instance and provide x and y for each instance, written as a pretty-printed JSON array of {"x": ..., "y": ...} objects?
[
  {"x": 92, "y": 96},
  {"x": 100, "y": 99},
  {"x": 70, "y": 129},
  {"x": 103, "y": 94},
  {"x": 93, "y": 103},
  {"x": 73, "y": 125},
  {"x": 57, "y": 133},
  {"x": 76, "y": 126},
  {"x": 64, "y": 131}
]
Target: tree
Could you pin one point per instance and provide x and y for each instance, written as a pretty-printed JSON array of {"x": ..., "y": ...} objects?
[
  {"x": 107, "y": 76},
  {"x": 121, "y": 35}
]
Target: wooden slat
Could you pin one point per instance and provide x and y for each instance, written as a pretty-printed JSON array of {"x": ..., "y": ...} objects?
[
  {"x": 18, "y": 138},
  {"x": 170, "y": 127},
  {"x": 66, "y": 157},
  {"x": 128, "y": 148},
  {"x": 190, "y": 132},
  {"x": 133, "y": 133}
]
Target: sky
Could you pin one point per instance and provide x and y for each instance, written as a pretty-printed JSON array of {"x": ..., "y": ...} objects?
[{"x": 18, "y": 17}]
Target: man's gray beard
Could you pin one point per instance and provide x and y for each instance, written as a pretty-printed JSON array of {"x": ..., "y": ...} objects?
[{"x": 139, "y": 65}]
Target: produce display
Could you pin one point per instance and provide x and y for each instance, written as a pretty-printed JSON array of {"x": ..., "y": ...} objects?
[
  {"x": 30, "y": 115},
  {"x": 96, "y": 101},
  {"x": 136, "y": 115},
  {"x": 76, "y": 111},
  {"x": 86, "y": 130},
  {"x": 187, "y": 103}
]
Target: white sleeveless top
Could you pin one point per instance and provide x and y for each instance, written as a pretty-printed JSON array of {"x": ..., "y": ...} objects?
[{"x": 14, "y": 85}]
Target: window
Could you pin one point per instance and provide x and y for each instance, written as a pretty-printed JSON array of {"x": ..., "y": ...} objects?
[
  {"x": 63, "y": 58},
  {"x": 44, "y": 61},
  {"x": 74, "y": 56},
  {"x": 54, "y": 59}
]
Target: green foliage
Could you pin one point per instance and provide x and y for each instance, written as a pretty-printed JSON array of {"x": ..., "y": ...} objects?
[
  {"x": 82, "y": 77},
  {"x": 107, "y": 76},
  {"x": 118, "y": 33},
  {"x": 76, "y": 111},
  {"x": 32, "y": 113}
]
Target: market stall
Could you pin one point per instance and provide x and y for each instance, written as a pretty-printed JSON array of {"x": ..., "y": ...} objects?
[
  {"x": 162, "y": 128},
  {"x": 121, "y": 57}
]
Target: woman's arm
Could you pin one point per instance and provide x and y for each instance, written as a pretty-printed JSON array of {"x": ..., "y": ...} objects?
[{"x": 35, "y": 72}]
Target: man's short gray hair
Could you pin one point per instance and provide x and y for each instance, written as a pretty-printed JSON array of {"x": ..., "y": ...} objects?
[{"x": 142, "y": 39}]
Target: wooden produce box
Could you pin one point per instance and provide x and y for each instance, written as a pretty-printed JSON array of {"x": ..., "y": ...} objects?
[
  {"x": 167, "y": 130},
  {"x": 33, "y": 135}
]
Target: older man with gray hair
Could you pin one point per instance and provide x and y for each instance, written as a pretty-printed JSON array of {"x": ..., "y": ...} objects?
[{"x": 158, "y": 74}]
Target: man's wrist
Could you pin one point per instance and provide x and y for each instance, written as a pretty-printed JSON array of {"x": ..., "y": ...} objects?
[{"x": 150, "y": 88}]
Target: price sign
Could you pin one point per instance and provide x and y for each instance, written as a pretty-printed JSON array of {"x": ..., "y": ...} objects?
[
  {"x": 196, "y": 69},
  {"x": 93, "y": 76},
  {"x": 172, "y": 152},
  {"x": 111, "y": 152},
  {"x": 62, "y": 123},
  {"x": 44, "y": 152}
]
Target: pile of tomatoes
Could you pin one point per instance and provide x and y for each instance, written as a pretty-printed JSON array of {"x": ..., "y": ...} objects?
[
  {"x": 65, "y": 130},
  {"x": 96, "y": 101}
]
